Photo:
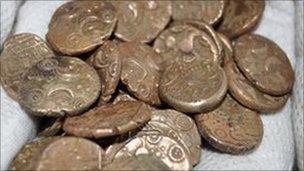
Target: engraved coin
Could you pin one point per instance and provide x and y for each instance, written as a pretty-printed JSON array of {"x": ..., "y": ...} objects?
[
  {"x": 160, "y": 146},
  {"x": 179, "y": 127},
  {"x": 80, "y": 26},
  {"x": 227, "y": 48},
  {"x": 20, "y": 52},
  {"x": 139, "y": 162},
  {"x": 140, "y": 72},
  {"x": 59, "y": 86},
  {"x": 194, "y": 86},
  {"x": 183, "y": 41},
  {"x": 264, "y": 64},
  {"x": 231, "y": 128},
  {"x": 207, "y": 11},
  {"x": 141, "y": 20},
  {"x": 107, "y": 62},
  {"x": 241, "y": 16},
  {"x": 109, "y": 120},
  {"x": 50, "y": 126}
]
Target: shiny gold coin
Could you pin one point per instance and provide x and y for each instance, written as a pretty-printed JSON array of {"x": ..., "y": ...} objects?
[
  {"x": 227, "y": 48},
  {"x": 207, "y": 11},
  {"x": 231, "y": 128},
  {"x": 193, "y": 86},
  {"x": 140, "y": 72},
  {"x": 109, "y": 120},
  {"x": 160, "y": 146},
  {"x": 50, "y": 126},
  {"x": 241, "y": 16},
  {"x": 59, "y": 86},
  {"x": 179, "y": 127},
  {"x": 141, "y": 20},
  {"x": 139, "y": 162},
  {"x": 264, "y": 64},
  {"x": 244, "y": 92},
  {"x": 107, "y": 62},
  {"x": 20, "y": 52},
  {"x": 80, "y": 26}
]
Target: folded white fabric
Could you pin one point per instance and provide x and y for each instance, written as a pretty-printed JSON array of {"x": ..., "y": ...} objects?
[{"x": 277, "y": 149}]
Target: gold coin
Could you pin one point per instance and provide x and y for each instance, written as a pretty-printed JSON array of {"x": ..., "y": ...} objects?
[
  {"x": 179, "y": 127},
  {"x": 264, "y": 64},
  {"x": 59, "y": 86},
  {"x": 80, "y": 26},
  {"x": 141, "y": 20},
  {"x": 193, "y": 86},
  {"x": 109, "y": 120},
  {"x": 107, "y": 62},
  {"x": 231, "y": 128},
  {"x": 160, "y": 146},
  {"x": 20, "y": 52},
  {"x": 208, "y": 11}
]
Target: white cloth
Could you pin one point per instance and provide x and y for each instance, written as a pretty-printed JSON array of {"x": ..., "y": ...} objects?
[{"x": 276, "y": 151}]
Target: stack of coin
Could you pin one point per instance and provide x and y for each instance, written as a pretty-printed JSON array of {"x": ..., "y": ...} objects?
[{"x": 134, "y": 85}]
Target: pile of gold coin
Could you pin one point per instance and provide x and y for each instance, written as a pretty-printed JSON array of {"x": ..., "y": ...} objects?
[{"x": 138, "y": 85}]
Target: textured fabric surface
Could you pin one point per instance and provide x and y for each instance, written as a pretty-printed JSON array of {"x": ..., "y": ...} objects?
[{"x": 276, "y": 151}]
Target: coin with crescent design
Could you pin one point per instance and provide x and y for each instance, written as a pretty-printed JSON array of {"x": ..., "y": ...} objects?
[
  {"x": 141, "y": 20},
  {"x": 58, "y": 86},
  {"x": 80, "y": 26},
  {"x": 160, "y": 146},
  {"x": 231, "y": 128},
  {"x": 107, "y": 62},
  {"x": 139, "y": 162},
  {"x": 208, "y": 11},
  {"x": 109, "y": 120},
  {"x": 244, "y": 92},
  {"x": 193, "y": 86},
  {"x": 20, "y": 52},
  {"x": 187, "y": 42},
  {"x": 240, "y": 17},
  {"x": 140, "y": 72},
  {"x": 264, "y": 64},
  {"x": 50, "y": 126},
  {"x": 180, "y": 127},
  {"x": 227, "y": 48}
]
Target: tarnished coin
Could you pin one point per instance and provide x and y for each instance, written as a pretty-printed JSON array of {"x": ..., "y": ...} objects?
[
  {"x": 50, "y": 126},
  {"x": 209, "y": 11},
  {"x": 231, "y": 128},
  {"x": 139, "y": 162},
  {"x": 107, "y": 62},
  {"x": 193, "y": 86},
  {"x": 20, "y": 52},
  {"x": 241, "y": 16},
  {"x": 80, "y": 26},
  {"x": 180, "y": 127},
  {"x": 244, "y": 92},
  {"x": 227, "y": 48},
  {"x": 58, "y": 86},
  {"x": 140, "y": 72},
  {"x": 109, "y": 120},
  {"x": 186, "y": 42},
  {"x": 123, "y": 96},
  {"x": 265, "y": 64},
  {"x": 160, "y": 146},
  {"x": 141, "y": 20}
]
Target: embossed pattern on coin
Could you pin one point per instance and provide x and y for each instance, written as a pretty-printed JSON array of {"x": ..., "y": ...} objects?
[
  {"x": 194, "y": 86},
  {"x": 20, "y": 52},
  {"x": 141, "y": 20},
  {"x": 264, "y": 64},
  {"x": 231, "y": 128},
  {"x": 140, "y": 72},
  {"x": 80, "y": 26},
  {"x": 71, "y": 153},
  {"x": 179, "y": 127},
  {"x": 182, "y": 41},
  {"x": 107, "y": 62},
  {"x": 206, "y": 10},
  {"x": 139, "y": 162},
  {"x": 241, "y": 16},
  {"x": 164, "y": 148},
  {"x": 109, "y": 120},
  {"x": 59, "y": 86}
]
